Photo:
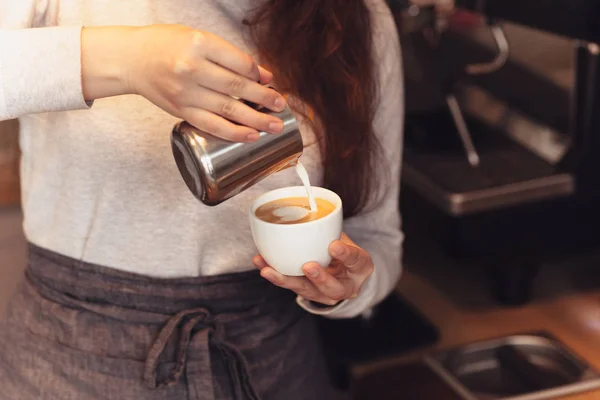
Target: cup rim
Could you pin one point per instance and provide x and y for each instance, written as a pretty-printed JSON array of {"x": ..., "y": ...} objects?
[{"x": 291, "y": 226}]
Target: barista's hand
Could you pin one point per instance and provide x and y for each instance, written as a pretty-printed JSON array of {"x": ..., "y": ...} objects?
[
  {"x": 188, "y": 73},
  {"x": 341, "y": 280}
]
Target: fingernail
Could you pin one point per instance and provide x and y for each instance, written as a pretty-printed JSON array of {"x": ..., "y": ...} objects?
[
  {"x": 275, "y": 127},
  {"x": 337, "y": 249},
  {"x": 313, "y": 272},
  {"x": 253, "y": 137},
  {"x": 279, "y": 103}
]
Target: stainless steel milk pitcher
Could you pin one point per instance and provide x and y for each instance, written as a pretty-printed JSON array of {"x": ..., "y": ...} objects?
[{"x": 216, "y": 170}]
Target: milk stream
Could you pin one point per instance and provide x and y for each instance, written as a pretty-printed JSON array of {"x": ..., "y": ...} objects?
[{"x": 301, "y": 171}]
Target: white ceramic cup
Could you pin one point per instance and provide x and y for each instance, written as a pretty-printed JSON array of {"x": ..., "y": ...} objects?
[{"x": 287, "y": 247}]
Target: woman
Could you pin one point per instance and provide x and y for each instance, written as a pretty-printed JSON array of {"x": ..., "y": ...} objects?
[{"x": 134, "y": 289}]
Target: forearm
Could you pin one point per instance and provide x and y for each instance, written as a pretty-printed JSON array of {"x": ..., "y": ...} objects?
[
  {"x": 106, "y": 53},
  {"x": 40, "y": 71},
  {"x": 62, "y": 68}
]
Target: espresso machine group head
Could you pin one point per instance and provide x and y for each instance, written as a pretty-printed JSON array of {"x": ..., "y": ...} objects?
[{"x": 576, "y": 19}]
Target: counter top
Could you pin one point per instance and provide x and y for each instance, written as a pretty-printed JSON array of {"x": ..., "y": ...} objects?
[
  {"x": 573, "y": 319},
  {"x": 455, "y": 298}
]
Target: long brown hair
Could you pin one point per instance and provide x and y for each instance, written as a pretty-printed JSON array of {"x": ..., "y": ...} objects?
[{"x": 321, "y": 53}]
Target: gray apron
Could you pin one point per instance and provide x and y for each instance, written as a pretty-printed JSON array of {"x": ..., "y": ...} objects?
[{"x": 76, "y": 331}]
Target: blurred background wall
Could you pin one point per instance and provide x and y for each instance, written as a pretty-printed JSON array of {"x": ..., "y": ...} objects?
[{"x": 9, "y": 161}]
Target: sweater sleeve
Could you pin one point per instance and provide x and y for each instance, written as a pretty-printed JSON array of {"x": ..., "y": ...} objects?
[
  {"x": 40, "y": 63},
  {"x": 378, "y": 230}
]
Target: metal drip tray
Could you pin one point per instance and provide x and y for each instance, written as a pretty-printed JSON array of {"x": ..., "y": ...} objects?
[
  {"x": 436, "y": 167},
  {"x": 520, "y": 367}
]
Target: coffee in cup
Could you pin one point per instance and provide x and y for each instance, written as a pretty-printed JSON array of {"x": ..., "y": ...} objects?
[
  {"x": 288, "y": 245},
  {"x": 293, "y": 210}
]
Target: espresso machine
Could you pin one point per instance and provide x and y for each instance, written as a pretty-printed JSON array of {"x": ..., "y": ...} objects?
[
  {"x": 473, "y": 174},
  {"x": 501, "y": 164}
]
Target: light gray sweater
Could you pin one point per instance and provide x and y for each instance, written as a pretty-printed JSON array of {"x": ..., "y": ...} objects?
[{"x": 99, "y": 183}]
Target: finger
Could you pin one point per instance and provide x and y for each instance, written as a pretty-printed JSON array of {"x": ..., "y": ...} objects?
[
  {"x": 227, "y": 55},
  {"x": 298, "y": 284},
  {"x": 259, "y": 262},
  {"x": 226, "y": 82},
  {"x": 351, "y": 256},
  {"x": 231, "y": 109},
  {"x": 218, "y": 126},
  {"x": 331, "y": 287},
  {"x": 266, "y": 76}
]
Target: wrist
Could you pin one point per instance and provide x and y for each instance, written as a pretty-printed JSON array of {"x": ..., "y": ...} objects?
[{"x": 107, "y": 61}]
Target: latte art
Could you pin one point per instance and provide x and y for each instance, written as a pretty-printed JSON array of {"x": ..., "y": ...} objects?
[
  {"x": 291, "y": 213},
  {"x": 293, "y": 210}
]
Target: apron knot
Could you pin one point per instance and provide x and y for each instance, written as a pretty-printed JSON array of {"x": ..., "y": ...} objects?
[{"x": 191, "y": 319}]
